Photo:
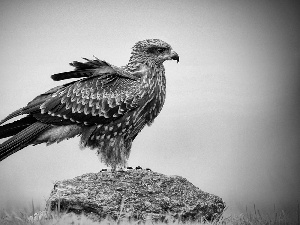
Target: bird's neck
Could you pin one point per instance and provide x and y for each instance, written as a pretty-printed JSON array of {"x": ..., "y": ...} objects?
[
  {"x": 152, "y": 74},
  {"x": 135, "y": 64}
]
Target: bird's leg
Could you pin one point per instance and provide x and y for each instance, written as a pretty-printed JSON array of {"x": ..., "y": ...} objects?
[
  {"x": 122, "y": 168},
  {"x": 113, "y": 168},
  {"x": 118, "y": 168}
]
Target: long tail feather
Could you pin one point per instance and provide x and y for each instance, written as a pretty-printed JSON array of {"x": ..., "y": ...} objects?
[
  {"x": 13, "y": 114},
  {"x": 15, "y": 127},
  {"x": 22, "y": 139}
]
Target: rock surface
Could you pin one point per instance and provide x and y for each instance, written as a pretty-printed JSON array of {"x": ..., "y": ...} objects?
[{"x": 134, "y": 194}]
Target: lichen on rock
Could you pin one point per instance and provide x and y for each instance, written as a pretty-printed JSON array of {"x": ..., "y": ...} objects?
[{"x": 135, "y": 194}]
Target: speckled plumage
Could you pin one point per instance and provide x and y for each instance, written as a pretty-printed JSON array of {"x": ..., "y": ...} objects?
[{"x": 108, "y": 106}]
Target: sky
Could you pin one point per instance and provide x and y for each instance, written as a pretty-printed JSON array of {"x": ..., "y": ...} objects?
[{"x": 230, "y": 123}]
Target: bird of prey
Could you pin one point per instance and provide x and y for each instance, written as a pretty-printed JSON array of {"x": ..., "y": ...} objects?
[{"x": 108, "y": 106}]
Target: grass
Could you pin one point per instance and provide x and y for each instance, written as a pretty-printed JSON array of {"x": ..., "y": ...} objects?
[{"x": 34, "y": 216}]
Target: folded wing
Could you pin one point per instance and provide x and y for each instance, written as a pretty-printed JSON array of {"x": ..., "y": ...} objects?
[{"x": 94, "y": 100}]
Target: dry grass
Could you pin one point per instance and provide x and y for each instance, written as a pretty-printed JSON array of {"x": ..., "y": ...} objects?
[{"x": 61, "y": 218}]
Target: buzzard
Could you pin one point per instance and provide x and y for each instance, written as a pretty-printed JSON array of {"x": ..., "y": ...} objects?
[{"x": 108, "y": 106}]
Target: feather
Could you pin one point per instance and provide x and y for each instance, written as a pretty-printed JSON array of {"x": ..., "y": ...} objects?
[
  {"x": 57, "y": 134},
  {"x": 85, "y": 69},
  {"x": 13, "y": 128},
  {"x": 105, "y": 106},
  {"x": 71, "y": 74},
  {"x": 22, "y": 139},
  {"x": 86, "y": 134},
  {"x": 12, "y": 115},
  {"x": 32, "y": 106}
]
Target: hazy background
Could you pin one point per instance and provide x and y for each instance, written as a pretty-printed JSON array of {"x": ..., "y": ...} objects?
[{"x": 230, "y": 123}]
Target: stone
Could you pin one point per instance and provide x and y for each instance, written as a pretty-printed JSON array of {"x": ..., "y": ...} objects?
[{"x": 134, "y": 194}]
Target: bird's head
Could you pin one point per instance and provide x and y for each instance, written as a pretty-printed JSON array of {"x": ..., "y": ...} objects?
[{"x": 153, "y": 51}]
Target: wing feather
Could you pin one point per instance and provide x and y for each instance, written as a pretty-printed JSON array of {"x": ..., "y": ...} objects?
[
  {"x": 34, "y": 105},
  {"x": 91, "y": 68},
  {"x": 98, "y": 98},
  {"x": 84, "y": 69},
  {"x": 92, "y": 100}
]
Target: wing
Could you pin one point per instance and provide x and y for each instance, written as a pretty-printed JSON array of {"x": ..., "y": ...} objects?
[
  {"x": 97, "y": 99},
  {"x": 34, "y": 105},
  {"x": 91, "y": 68}
]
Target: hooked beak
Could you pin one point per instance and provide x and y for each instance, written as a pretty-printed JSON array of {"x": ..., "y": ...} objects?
[{"x": 174, "y": 56}]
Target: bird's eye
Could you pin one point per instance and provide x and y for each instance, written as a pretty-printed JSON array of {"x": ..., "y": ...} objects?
[
  {"x": 160, "y": 50},
  {"x": 155, "y": 50}
]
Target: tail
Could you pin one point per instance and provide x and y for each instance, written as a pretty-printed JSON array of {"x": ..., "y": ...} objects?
[
  {"x": 15, "y": 127},
  {"x": 25, "y": 131}
]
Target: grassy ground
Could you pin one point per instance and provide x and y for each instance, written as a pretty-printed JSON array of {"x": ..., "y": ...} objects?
[{"x": 60, "y": 218}]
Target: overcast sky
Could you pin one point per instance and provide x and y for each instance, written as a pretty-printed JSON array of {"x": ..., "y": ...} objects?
[{"x": 230, "y": 124}]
